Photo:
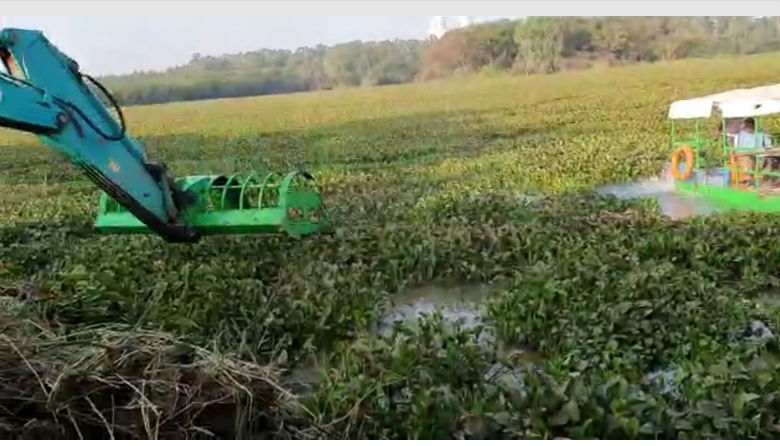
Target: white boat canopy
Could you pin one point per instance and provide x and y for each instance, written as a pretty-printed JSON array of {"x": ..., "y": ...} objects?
[{"x": 740, "y": 103}]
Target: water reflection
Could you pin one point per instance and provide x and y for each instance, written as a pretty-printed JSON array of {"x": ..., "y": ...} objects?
[
  {"x": 458, "y": 303},
  {"x": 453, "y": 302}
]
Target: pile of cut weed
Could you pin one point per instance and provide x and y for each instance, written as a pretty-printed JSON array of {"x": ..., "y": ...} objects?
[{"x": 113, "y": 384}]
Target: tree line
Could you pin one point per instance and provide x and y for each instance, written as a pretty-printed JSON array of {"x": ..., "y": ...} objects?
[{"x": 535, "y": 45}]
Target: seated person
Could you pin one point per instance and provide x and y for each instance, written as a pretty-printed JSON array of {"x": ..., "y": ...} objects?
[{"x": 748, "y": 140}]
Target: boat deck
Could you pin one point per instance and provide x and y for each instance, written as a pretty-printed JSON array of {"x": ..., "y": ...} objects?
[
  {"x": 762, "y": 189},
  {"x": 714, "y": 185},
  {"x": 721, "y": 177}
]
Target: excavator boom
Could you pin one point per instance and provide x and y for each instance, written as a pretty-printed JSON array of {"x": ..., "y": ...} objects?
[{"x": 46, "y": 94}]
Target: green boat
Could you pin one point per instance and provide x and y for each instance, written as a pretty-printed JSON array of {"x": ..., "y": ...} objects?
[{"x": 726, "y": 158}]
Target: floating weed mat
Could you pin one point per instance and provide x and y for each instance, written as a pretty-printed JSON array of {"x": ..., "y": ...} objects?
[
  {"x": 418, "y": 382},
  {"x": 437, "y": 381},
  {"x": 585, "y": 270},
  {"x": 486, "y": 189},
  {"x": 621, "y": 315},
  {"x": 111, "y": 384}
]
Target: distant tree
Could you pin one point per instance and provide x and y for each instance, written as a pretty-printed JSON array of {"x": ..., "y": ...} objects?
[{"x": 529, "y": 46}]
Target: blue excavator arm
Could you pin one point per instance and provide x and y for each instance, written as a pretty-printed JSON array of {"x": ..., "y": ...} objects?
[{"x": 46, "y": 94}]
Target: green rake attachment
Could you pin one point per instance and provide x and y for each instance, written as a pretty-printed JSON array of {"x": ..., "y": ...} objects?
[{"x": 237, "y": 204}]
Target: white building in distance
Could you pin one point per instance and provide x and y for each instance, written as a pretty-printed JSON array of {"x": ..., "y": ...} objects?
[{"x": 440, "y": 25}]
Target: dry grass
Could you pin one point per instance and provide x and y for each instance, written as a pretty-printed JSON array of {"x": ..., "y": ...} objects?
[{"x": 111, "y": 384}]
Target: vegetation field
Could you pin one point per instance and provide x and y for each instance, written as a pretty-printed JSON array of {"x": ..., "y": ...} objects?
[{"x": 631, "y": 325}]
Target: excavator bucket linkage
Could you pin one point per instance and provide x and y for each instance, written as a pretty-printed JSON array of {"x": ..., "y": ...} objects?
[{"x": 239, "y": 204}]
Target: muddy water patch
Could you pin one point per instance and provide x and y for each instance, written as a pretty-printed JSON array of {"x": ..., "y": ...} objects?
[
  {"x": 456, "y": 303},
  {"x": 463, "y": 303},
  {"x": 769, "y": 299}
]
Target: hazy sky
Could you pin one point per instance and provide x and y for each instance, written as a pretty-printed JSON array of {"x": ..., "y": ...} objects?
[{"x": 115, "y": 45}]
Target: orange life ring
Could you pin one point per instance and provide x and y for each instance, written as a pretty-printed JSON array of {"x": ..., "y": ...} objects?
[{"x": 688, "y": 152}]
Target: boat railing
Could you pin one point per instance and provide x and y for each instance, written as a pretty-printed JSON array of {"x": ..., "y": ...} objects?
[{"x": 758, "y": 173}]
